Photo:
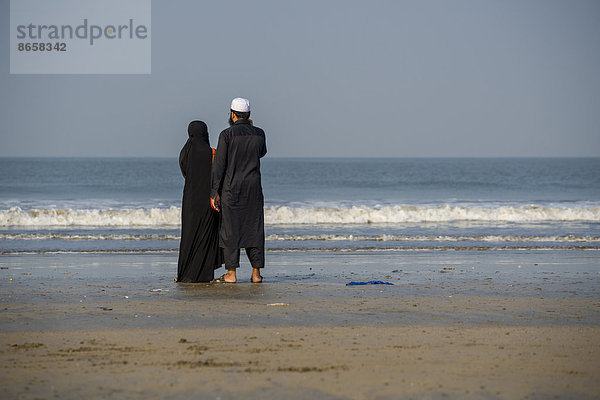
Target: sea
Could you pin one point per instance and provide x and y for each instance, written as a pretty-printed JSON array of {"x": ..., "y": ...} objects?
[{"x": 133, "y": 205}]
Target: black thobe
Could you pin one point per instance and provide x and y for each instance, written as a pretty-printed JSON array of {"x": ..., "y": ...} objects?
[
  {"x": 199, "y": 253},
  {"x": 236, "y": 177}
]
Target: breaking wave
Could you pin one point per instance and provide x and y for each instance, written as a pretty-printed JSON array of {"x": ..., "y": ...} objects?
[
  {"x": 124, "y": 218},
  {"x": 84, "y": 237},
  {"x": 283, "y": 215},
  {"x": 441, "y": 238},
  {"x": 412, "y": 214},
  {"x": 317, "y": 238},
  {"x": 318, "y": 249}
]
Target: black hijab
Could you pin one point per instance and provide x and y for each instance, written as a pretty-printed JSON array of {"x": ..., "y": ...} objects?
[{"x": 198, "y": 129}]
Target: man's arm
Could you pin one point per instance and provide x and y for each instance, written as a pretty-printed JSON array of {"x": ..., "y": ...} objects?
[
  {"x": 183, "y": 156},
  {"x": 263, "y": 150},
  {"x": 218, "y": 171}
]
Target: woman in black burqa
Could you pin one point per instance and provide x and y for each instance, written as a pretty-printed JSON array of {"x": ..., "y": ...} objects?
[{"x": 199, "y": 253}]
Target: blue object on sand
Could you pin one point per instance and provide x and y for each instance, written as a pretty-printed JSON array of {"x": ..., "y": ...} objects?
[{"x": 368, "y": 283}]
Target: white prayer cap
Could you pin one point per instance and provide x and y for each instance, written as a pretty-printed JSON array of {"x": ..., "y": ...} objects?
[{"x": 240, "y": 104}]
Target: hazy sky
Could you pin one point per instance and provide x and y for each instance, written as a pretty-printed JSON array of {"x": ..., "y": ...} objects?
[{"x": 332, "y": 78}]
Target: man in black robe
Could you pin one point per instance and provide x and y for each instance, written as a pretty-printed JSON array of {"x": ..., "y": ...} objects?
[
  {"x": 199, "y": 253},
  {"x": 237, "y": 191}
]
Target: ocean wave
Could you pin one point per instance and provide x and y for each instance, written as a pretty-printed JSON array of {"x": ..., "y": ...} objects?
[
  {"x": 320, "y": 249},
  {"x": 84, "y": 237},
  {"x": 441, "y": 238},
  {"x": 283, "y": 215},
  {"x": 305, "y": 238},
  {"x": 426, "y": 214},
  {"x": 125, "y": 218}
]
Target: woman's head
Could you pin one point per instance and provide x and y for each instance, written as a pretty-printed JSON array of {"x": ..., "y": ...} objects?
[{"x": 198, "y": 129}]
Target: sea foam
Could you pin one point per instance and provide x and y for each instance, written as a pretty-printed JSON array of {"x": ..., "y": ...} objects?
[
  {"x": 139, "y": 217},
  {"x": 283, "y": 215},
  {"x": 417, "y": 214},
  {"x": 50, "y": 235}
]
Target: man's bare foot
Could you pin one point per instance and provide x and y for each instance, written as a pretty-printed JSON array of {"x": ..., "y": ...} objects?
[
  {"x": 256, "y": 278},
  {"x": 229, "y": 277}
]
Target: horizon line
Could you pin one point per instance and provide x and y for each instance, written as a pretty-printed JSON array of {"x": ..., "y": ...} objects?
[{"x": 304, "y": 157}]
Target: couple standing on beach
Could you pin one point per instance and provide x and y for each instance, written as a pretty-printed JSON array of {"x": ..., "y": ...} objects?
[{"x": 222, "y": 208}]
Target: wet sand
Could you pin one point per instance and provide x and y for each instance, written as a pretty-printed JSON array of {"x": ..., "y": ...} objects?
[{"x": 453, "y": 325}]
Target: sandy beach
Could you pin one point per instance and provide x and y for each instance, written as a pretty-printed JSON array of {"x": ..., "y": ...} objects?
[
  {"x": 506, "y": 325},
  {"x": 304, "y": 362}
]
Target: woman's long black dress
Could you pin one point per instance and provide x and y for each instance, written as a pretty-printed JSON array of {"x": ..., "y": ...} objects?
[{"x": 199, "y": 253}]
